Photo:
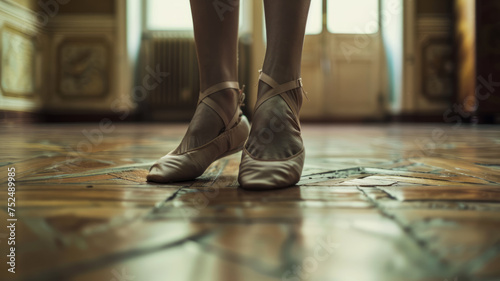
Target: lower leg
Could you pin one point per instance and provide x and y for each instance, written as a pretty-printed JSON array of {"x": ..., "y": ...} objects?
[
  {"x": 285, "y": 24},
  {"x": 216, "y": 41}
]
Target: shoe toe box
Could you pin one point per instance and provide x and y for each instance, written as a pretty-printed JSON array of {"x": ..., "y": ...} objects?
[
  {"x": 264, "y": 175},
  {"x": 173, "y": 168}
]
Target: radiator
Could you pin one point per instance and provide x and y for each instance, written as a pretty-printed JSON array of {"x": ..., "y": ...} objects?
[{"x": 174, "y": 99}]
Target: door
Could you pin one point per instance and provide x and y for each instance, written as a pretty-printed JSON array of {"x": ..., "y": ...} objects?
[{"x": 342, "y": 61}]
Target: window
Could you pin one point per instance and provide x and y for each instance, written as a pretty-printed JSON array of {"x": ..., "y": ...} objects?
[
  {"x": 315, "y": 18},
  {"x": 168, "y": 15},
  {"x": 343, "y": 16},
  {"x": 173, "y": 15},
  {"x": 353, "y": 16}
]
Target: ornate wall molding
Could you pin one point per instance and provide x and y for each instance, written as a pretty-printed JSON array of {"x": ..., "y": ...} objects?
[
  {"x": 21, "y": 42},
  {"x": 82, "y": 23},
  {"x": 18, "y": 59},
  {"x": 435, "y": 61},
  {"x": 88, "y": 68},
  {"x": 18, "y": 14},
  {"x": 84, "y": 68}
]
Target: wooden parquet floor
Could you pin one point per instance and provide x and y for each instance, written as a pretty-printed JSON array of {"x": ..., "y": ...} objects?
[{"x": 395, "y": 202}]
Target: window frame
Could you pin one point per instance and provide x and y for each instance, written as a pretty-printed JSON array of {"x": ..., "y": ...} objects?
[
  {"x": 144, "y": 21},
  {"x": 327, "y": 29}
]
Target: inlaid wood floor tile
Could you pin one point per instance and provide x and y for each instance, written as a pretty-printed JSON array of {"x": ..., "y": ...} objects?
[
  {"x": 188, "y": 261},
  {"x": 486, "y": 193},
  {"x": 82, "y": 252},
  {"x": 414, "y": 180},
  {"x": 463, "y": 167},
  {"x": 461, "y": 237}
]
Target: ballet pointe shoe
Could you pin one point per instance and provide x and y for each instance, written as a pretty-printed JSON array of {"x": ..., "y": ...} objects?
[
  {"x": 263, "y": 174},
  {"x": 188, "y": 165}
]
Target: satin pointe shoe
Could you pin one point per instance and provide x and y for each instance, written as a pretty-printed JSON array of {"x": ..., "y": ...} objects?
[
  {"x": 263, "y": 173},
  {"x": 188, "y": 164}
]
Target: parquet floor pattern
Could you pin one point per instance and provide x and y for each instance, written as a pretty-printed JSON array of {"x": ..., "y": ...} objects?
[{"x": 395, "y": 202}]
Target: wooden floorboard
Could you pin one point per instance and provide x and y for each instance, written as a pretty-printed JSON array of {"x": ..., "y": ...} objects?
[{"x": 391, "y": 202}]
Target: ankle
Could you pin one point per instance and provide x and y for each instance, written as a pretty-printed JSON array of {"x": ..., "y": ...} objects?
[
  {"x": 214, "y": 74},
  {"x": 229, "y": 96},
  {"x": 281, "y": 72},
  {"x": 227, "y": 99}
]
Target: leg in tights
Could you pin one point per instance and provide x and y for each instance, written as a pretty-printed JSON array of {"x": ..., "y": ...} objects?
[
  {"x": 274, "y": 133},
  {"x": 216, "y": 45}
]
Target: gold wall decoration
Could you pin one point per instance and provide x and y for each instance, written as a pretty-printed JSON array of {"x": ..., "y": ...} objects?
[
  {"x": 84, "y": 68},
  {"x": 465, "y": 37},
  {"x": 17, "y": 63}
]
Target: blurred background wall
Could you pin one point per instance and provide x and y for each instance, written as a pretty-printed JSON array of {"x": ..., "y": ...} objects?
[
  {"x": 364, "y": 60},
  {"x": 62, "y": 59}
]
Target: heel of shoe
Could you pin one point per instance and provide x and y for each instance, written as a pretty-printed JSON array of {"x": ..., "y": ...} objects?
[{"x": 238, "y": 135}]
